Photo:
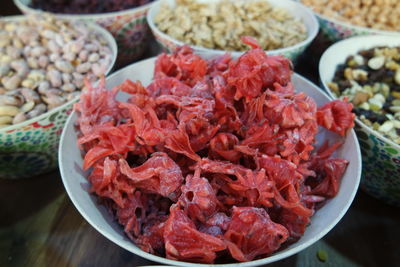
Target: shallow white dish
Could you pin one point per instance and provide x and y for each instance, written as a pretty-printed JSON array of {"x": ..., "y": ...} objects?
[
  {"x": 292, "y": 52},
  {"x": 70, "y": 161}
]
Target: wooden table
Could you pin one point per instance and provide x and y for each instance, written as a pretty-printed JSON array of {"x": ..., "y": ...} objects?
[{"x": 39, "y": 226}]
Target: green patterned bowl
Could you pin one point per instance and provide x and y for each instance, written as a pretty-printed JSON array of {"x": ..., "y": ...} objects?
[
  {"x": 30, "y": 148},
  {"x": 128, "y": 27},
  {"x": 336, "y": 30},
  {"x": 293, "y": 52},
  {"x": 380, "y": 156}
]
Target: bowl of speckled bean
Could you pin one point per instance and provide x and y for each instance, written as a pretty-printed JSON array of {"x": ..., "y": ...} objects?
[
  {"x": 43, "y": 64},
  {"x": 366, "y": 71},
  {"x": 125, "y": 20}
]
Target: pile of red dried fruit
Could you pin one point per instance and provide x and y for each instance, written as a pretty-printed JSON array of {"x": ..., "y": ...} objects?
[{"x": 214, "y": 159}]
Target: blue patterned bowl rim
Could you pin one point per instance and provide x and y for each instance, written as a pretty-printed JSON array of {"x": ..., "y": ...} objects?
[
  {"x": 363, "y": 42},
  {"x": 23, "y": 6},
  {"x": 300, "y": 9},
  {"x": 114, "y": 48}
]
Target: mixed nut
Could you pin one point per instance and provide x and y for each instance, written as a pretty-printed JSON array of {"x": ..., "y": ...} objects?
[
  {"x": 220, "y": 24},
  {"x": 43, "y": 64},
  {"x": 371, "y": 81},
  {"x": 86, "y": 6},
  {"x": 376, "y": 14}
]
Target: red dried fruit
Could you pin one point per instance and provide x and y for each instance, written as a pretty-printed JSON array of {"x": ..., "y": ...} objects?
[
  {"x": 251, "y": 233},
  {"x": 194, "y": 164},
  {"x": 336, "y": 116},
  {"x": 184, "y": 242}
]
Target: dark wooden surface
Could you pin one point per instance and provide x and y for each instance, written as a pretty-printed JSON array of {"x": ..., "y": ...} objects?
[{"x": 39, "y": 226}]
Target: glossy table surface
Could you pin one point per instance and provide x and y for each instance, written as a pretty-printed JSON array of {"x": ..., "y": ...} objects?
[{"x": 39, "y": 226}]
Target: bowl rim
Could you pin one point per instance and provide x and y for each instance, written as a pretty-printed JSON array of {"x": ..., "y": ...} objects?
[
  {"x": 362, "y": 40},
  {"x": 25, "y": 8},
  {"x": 349, "y": 25},
  {"x": 310, "y": 35},
  {"x": 114, "y": 48},
  {"x": 158, "y": 259}
]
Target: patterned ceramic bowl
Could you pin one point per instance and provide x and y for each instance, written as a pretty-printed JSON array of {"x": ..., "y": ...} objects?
[
  {"x": 381, "y": 156},
  {"x": 128, "y": 27},
  {"x": 30, "y": 148},
  {"x": 295, "y": 9},
  {"x": 336, "y": 30}
]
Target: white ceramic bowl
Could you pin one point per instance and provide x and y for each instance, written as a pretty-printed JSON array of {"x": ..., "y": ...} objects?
[
  {"x": 337, "y": 30},
  {"x": 76, "y": 184},
  {"x": 381, "y": 156},
  {"x": 30, "y": 148},
  {"x": 297, "y": 10},
  {"x": 129, "y": 27}
]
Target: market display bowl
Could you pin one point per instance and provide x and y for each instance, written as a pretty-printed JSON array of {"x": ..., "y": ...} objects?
[
  {"x": 30, "y": 148},
  {"x": 129, "y": 28},
  {"x": 336, "y": 30},
  {"x": 380, "y": 156},
  {"x": 297, "y": 10},
  {"x": 76, "y": 184}
]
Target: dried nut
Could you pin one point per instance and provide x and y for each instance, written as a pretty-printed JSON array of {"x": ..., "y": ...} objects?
[
  {"x": 83, "y": 68},
  {"x": 360, "y": 75},
  {"x": 43, "y": 61},
  {"x": 12, "y": 83},
  {"x": 30, "y": 95},
  {"x": 83, "y": 55},
  {"x": 55, "y": 78},
  {"x": 64, "y": 66},
  {"x": 365, "y": 106},
  {"x": 38, "y": 110},
  {"x": 359, "y": 60},
  {"x": 20, "y": 117},
  {"x": 69, "y": 87},
  {"x": 348, "y": 74},
  {"x": 4, "y": 69},
  {"x": 5, "y": 120},
  {"x": 397, "y": 76},
  {"x": 28, "y": 83},
  {"x": 21, "y": 67},
  {"x": 33, "y": 63},
  {"x": 28, "y": 106},
  {"x": 386, "y": 126},
  {"x": 94, "y": 57},
  {"x": 396, "y": 102},
  {"x": 53, "y": 91},
  {"x": 8, "y": 110},
  {"x": 360, "y": 97},
  {"x": 54, "y": 57},
  {"x": 36, "y": 75},
  {"x": 43, "y": 87},
  {"x": 395, "y": 109},
  {"x": 396, "y": 124},
  {"x": 66, "y": 77},
  {"x": 396, "y": 94},
  {"x": 38, "y": 51},
  {"x": 376, "y": 63}
]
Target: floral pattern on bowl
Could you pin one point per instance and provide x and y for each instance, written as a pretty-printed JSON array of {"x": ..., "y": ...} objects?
[
  {"x": 31, "y": 150},
  {"x": 381, "y": 167}
]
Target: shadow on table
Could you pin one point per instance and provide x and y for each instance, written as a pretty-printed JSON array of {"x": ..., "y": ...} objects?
[
  {"x": 369, "y": 233},
  {"x": 24, "y": 197}
]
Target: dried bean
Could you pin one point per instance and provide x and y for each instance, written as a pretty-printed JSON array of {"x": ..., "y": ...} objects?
[
  {"x": 8, "y": 110},
  {"x": 20, "y": 117}
]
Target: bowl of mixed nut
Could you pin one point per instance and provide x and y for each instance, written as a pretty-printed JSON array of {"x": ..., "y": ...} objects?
[
  {"x": 43, "y": 65},
  {"x": 340, "y": 19},
  {"x": 211, "y": 28},
  {"x": 125, "y": 20},
  {"x": 366, "y": 71}
]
